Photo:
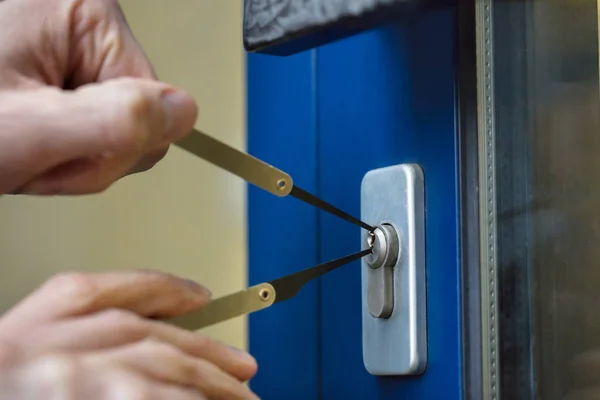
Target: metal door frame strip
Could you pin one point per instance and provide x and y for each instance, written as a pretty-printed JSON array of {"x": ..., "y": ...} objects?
[{"x": 487, "y": 201}]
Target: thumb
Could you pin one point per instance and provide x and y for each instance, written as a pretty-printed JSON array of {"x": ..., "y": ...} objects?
[{"x": 99, "y": 131}]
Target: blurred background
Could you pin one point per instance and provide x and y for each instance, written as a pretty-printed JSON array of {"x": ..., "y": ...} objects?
[{"x": 184, "y": 216}]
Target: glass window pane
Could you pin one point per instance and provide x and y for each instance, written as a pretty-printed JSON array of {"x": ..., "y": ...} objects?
[{"x": 547, "y": 159}]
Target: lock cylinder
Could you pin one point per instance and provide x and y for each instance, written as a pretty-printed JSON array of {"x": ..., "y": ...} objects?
[
  {"x": 384, "y": 243},
  {"x": 385, "y": 246}
]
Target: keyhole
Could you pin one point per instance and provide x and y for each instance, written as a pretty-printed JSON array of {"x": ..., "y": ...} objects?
[{"x": 371, "y": 239}]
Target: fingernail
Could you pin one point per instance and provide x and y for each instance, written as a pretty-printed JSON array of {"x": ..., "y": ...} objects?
[
  {"x": 236, "y": 350},
  {"x": 199, "y": 288},
  {"x": 180, "y": 113},
  {"x": 242, "y": 354}
]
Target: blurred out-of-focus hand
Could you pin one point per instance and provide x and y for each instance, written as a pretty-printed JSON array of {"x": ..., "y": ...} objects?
[{"x": 96, "y": 336}]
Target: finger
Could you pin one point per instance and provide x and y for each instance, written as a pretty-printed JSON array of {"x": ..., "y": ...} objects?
[
  {"x": 66, "y": 377},
  {"x": 105, "y": 129},
  {"x": 168, "y": 364},
  {"x": 111, "y": 380},
  {"x": 95, "y": 59},
  {"x": 149, "y": 160},
  {"x": 116, "y": 328},
  {"x": 103, "y": 51},
  {"x": 236, "y": 362},
  {"x": 10, "y": 353},
  {"x": 162, "y": 392},
  {"x": 147, "y": 293}
]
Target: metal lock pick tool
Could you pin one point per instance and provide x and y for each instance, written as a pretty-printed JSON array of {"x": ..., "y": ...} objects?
[{"x": 276, "y": 182}]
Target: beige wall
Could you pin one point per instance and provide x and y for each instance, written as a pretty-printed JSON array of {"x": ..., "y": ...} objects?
[{"x": 185, "y": 216}]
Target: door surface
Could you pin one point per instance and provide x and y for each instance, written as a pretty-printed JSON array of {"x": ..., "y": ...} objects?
[
  {"x": 499, "y": 103},
  {"x": 327, "y": 116}
]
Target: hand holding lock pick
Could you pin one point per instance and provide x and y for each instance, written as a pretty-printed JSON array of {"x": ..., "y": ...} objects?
[{"x": 80, "y": 108}]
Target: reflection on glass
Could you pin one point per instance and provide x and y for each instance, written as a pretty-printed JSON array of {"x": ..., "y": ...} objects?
[{"x": 548, "y": 197}]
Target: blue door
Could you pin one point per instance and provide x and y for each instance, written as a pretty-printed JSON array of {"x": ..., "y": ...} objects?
[
  {"x": 498, "y": 102},
  {"x": 328, "y": 115}
]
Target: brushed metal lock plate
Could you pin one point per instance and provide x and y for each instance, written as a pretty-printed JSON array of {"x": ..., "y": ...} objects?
[{"x": 395, "y": 343}]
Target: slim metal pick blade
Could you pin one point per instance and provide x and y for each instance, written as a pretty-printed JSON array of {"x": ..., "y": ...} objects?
[
  {"x": 289, "y": 286},
  {"x": 257, "y": 172},
  {"x": 258, "y": 297},
  {"x": 245, "y": 166},
  {"x": 306, "y": 197}
]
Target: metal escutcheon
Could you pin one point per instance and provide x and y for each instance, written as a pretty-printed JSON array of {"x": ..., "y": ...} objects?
[{"x": 394, "y": 310}]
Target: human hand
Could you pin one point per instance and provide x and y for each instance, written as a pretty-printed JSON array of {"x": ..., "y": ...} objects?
[
  {"x": 80, "y": 106},
  {"x": 103, "y": 320},
  {"x": 73, "y": 378}
]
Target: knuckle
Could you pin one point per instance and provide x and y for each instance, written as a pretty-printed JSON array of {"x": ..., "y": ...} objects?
[
  {"x": 166, "y": 281},
  {"x": 85, "y": 16},
  {"x": 151, "y": 274},
  {"x": 203, "y": 344},
  {"x": 126, "y": 324},
  {"x": 11, "y": 349},
  {"x": 125, "y": 385},
  {"x": 18, "y": 106},
  {"x": 162, "y": 348},
  {"x": 191, "y": 372},
  {"x": 6, "y": 356},
  {"x": 184, "y": 367},
  {"x": 57, "y": 369},
  {"x": 211, "y": 378},
  {"x": 137, "y": 113},
  {"x": 138, "y": 105},
  {"x": 129, "y": 131},
  {"x": 133, "y": 391},
  {"x": 74, "y": 284}
]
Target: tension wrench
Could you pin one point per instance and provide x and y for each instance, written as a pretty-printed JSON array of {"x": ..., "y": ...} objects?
[
  {"x": 257, "y": 172},
  {"x": 279, "y": 183}
]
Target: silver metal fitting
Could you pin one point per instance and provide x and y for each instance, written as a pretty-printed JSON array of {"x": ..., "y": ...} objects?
[
  {"x": 394, "y": 290},
  {"x": 385, "y": 245}
]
